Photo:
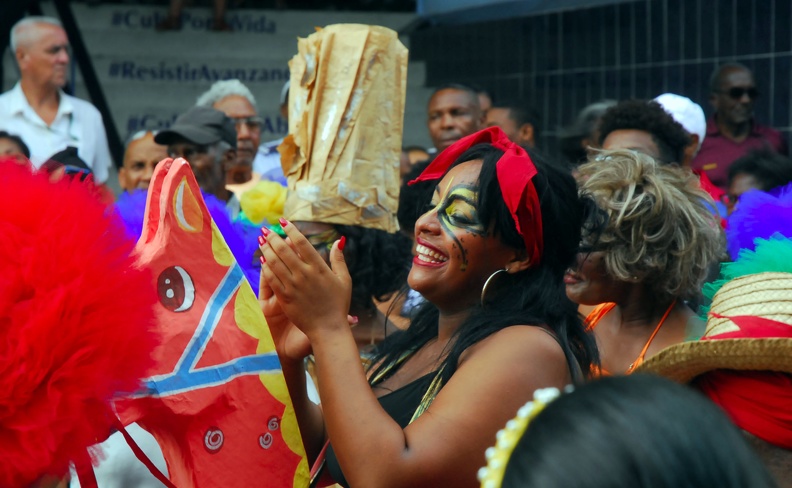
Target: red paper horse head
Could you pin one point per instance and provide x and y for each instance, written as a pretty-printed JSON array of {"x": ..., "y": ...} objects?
[{"x": 217, "y": 402}]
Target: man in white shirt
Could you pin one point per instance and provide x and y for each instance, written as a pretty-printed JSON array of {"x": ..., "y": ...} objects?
[
  {"x": 37, "y": 110},
  {"x": 267, "y": 161}
]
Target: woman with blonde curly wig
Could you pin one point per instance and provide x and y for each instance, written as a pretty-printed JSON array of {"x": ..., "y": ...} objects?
[{"x": 648, "y": 250}]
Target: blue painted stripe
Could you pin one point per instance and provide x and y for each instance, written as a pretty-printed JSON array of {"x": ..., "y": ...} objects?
[
  {"x": 212, "y": 376},
  {"x": 210, "y": 318}
]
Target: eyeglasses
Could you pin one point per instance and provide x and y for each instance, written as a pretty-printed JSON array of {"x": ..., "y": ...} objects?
[
  {"x": 738, "y": 92},
  {"x": 588, "y": 248},
  {"x": 252, "y": 123}
]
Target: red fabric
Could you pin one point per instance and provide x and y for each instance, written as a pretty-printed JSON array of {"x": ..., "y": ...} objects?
[
  {"x": 759, "y": 402},
  {"x": 76, "y": 322},
  {"x": 515, "y": 171},
  {"x": 83, "y": 466},
  {"x": 141, "y": 456},
  {"x": 752, "y": 327},
  {"x": 716, "y": 193}
]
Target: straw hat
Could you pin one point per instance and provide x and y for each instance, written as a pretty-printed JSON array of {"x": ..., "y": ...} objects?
[{"x": 749, "y": 328}]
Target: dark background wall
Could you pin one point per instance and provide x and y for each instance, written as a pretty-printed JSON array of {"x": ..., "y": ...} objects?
[{"x": 559, "y": 62}]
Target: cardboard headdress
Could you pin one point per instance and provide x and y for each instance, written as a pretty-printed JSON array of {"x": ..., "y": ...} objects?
[
  {"x": 346, "y": 109},
  {"x": 216, "y": 401}
]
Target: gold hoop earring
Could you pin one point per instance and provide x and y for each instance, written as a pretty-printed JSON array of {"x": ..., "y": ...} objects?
[{"x": 489, "y": 281}]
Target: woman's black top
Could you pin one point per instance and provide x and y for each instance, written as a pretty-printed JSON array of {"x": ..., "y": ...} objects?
[{"x": 400, "y": 404}]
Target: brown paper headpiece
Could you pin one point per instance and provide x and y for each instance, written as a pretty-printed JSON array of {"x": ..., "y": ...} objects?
[{"x": 346, "y": 110}]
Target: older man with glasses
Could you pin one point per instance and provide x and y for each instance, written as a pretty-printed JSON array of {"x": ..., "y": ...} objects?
[
  {"x": 732, "y": 131},
  {"x": 236, "y": 101}
]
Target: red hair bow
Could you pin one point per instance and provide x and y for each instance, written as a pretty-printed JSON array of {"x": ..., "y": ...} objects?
[{"x": 515, "y": 171}]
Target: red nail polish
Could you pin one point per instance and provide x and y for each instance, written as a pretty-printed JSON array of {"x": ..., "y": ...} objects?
[
  {"x": 265, "y": 231},
  {"x": 355, "y": 319},
  {"x": 341, "y": 243},
  {"x": 262, "y": 260},
  {"x": 283, "y": 222},
  {"x": 261, "y": 240}
]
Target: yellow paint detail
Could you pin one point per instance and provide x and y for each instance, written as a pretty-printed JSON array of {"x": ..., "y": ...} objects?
[
  {"x": 250, "y": 319},
  {"x": 220, "y": 250},
  {"x": 461, "y": 206},
  {"x": 709, "y": 166},
  {"x": 186, "y": 209},
  {"x": 448, "y": 187}
]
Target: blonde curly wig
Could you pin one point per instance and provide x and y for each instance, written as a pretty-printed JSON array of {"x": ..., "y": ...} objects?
[{"x": 660, "y": 228}]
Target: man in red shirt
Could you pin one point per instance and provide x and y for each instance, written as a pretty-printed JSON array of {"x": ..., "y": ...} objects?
[{"x": 732, "y": 130}]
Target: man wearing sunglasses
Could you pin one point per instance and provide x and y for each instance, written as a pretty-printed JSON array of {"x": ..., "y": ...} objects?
[{"x": 732, "y": 131}]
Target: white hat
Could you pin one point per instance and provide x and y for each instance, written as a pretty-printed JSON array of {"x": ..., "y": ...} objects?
[{"x": 686, "y": 112}]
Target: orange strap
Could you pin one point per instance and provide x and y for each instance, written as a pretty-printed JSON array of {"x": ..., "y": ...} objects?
[
  {"x": 640, "y": 358},
  {"x": 601, "y": 310},
  {"x": 593, "y": 318}
]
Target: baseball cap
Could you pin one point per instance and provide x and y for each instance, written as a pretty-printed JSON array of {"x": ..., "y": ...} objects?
[
  {"x": 686, "y": 112},
  {"x": 200, "y": 125}
]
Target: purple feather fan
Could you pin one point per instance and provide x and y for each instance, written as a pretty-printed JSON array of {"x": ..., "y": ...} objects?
[{"x": 759, "y": 215}]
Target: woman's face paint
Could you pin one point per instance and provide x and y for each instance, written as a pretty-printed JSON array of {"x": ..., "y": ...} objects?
[
  {"x": 457, "y": 212},
  {"x": 455, "y": 253}
]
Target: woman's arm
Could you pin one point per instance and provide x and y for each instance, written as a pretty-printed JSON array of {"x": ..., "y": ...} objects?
[
  {"x": 445, "y": 446},
  {"x": 292, "y": 347}
]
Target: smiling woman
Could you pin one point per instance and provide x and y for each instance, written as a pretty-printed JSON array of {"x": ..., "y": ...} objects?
[
  {"x": 634, "y": 274},
  {"x": 499, "y": 226}
]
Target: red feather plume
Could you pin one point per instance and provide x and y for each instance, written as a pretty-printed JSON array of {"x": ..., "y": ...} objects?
[{"x": 76, "y": 321}]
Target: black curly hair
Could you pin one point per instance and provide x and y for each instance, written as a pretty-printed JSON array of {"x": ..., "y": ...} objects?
[
  {"x": 378, "y": 263},
  {"x": 413, "y": 199},
  {"x": 648, "y": 116}
]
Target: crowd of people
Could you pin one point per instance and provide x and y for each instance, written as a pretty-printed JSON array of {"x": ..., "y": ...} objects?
[{"x": 514, "y": 276}]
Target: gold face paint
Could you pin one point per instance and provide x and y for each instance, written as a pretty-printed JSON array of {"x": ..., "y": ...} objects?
[
  {"x": 457, "y": 211},
  {"x": 461, "y": 212}
]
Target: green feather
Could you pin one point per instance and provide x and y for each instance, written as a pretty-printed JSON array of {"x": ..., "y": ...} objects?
[{"x": 770, "y": 255}]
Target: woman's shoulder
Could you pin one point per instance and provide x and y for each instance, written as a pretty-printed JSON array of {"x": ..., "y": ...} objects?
[
  {"x": 522, "y": 343},
  {"x": 518, "y": 355}
]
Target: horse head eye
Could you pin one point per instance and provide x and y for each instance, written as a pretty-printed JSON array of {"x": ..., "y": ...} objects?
[{"x": 175, "y": 289}]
